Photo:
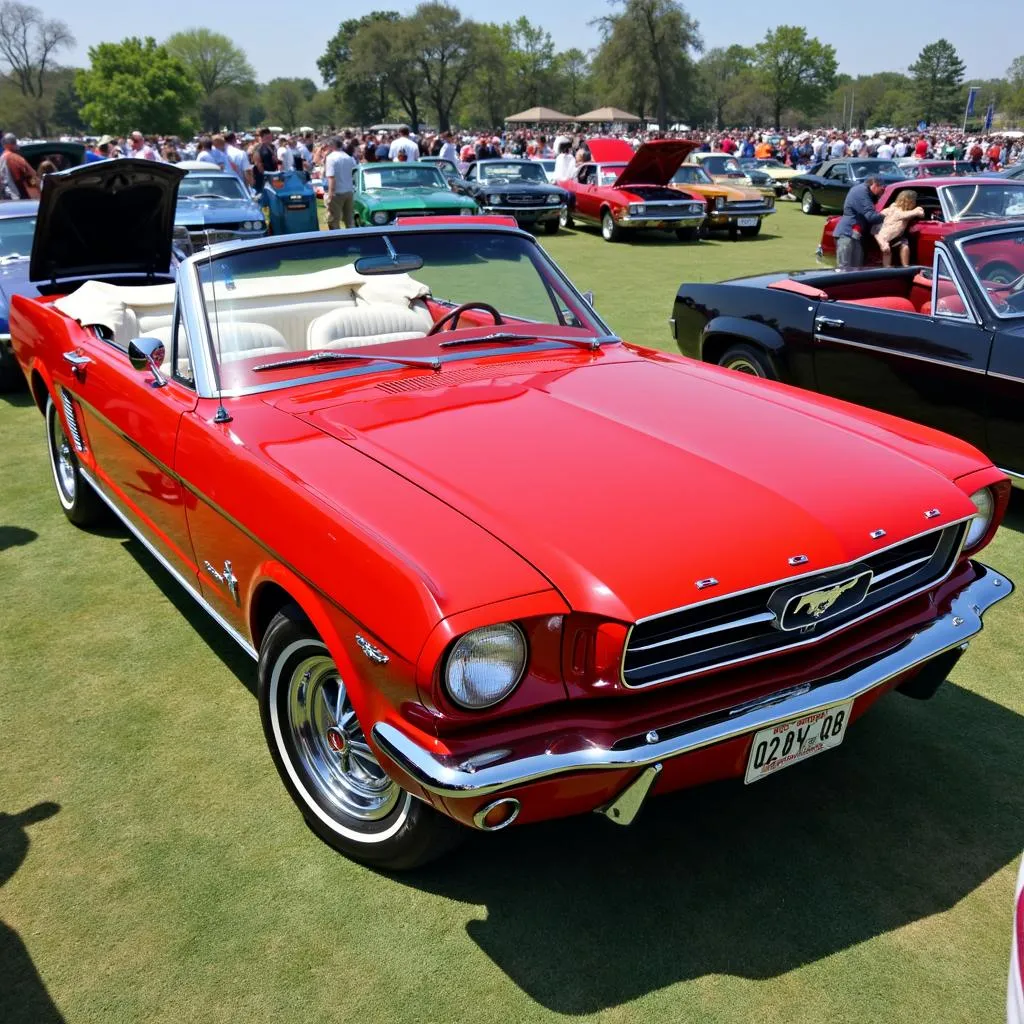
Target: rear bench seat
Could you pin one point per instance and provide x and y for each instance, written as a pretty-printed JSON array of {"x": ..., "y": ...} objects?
[{"x": 894, "y": 302}]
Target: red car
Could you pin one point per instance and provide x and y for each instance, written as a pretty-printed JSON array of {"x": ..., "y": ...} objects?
[
  {"x": 494, "y": 564},
  {"x": 625, "y": 191},
  {"x": 950, "y": 204}
]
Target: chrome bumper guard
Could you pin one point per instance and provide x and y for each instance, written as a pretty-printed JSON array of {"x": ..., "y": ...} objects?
[
  {"x": 483, "y": 775},
  {"x": 533, "y": 212},
  {"x": 758, "y": 211},
  {"x": 684, "y": 219}
]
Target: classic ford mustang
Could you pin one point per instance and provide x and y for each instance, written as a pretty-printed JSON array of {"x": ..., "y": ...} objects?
[
  {"x": 515, "y": 188},
  {"x": 943, "y": 344},
  {"x": 386, "y": 191},
  {"x": 824, "y": 186},
  {"x": 411, "y": 472},
  {"x": 621, "y": 190}
]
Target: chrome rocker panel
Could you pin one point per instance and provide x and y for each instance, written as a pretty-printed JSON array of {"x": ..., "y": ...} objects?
[{"x": 443, "y": 776}]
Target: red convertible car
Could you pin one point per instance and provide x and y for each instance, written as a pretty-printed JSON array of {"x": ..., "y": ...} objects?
[
  {"x": 950, "y": 204},
  {"x": 623, "y": 191},
  {"x": 484, "y": 552}
]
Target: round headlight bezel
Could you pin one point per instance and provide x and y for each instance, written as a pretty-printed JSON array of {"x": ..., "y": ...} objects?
[
  {"x": 380, "y": 217},
  {"x": 985, "y": 502},
  {"x": 454, "y": 669},
  {"x": 637, "y": 209},
  {"x": 493, "y": 199}
]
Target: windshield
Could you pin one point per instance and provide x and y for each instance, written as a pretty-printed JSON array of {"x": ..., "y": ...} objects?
[
  {"x": 865, "y": 168},
  {"x": 508, "y": 172},
  {"x": 997, "y": 260},
  {"x": 722, "y": 165},
  {"x": 608, "y": 174},
  {"x": 982, "y": 200},
  {"x": 280, "y": 302},
  {"x": 691, "y": 174},
  {"x": 16, "y": 236},
  {"x": 403, "y": 177},
  {"x": 213, "y": 185}
]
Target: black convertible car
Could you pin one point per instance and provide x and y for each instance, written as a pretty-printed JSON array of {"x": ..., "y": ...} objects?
[
  {"x": 942, "y": 345},
  {"x": 515, "y": 188},
  {"x": 824, "y": 186}
]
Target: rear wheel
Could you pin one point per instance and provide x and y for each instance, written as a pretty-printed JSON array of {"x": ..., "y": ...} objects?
[
  {"x": 808, "y": 203},
  {"x": 610, "y": 231},
  {"x": 752, "y": 231},
  {"x": 688, "y": 234},
  {"x": 749, "y": 360},
  {"x": 81, "y": 504},
  {"x": 325, "y": 762}
]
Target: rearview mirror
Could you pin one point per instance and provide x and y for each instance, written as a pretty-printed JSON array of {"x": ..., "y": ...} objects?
[
  {"x": 398, "y": 263},
  {"x": 148, "y": 354}
]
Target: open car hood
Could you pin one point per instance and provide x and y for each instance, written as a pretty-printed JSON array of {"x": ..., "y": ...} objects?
[
  {"x": 653, "y": 163},
  {"x": 107, "y": 217}
]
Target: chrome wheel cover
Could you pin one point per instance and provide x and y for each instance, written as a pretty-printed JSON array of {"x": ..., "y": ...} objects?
[
  {"x": 330, "y": 746},
  {"x": 64, "y": 467},
  {"x": 807, "y": 203},
  {"x": 742, "y": 365},
  {"x": 607, "y": 227}
]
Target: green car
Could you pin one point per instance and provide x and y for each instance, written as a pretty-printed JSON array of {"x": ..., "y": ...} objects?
[{"x": 386, "y": 191}]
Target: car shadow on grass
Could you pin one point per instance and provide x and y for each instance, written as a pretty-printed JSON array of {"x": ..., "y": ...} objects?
[
  {"x": 920, "y": 805},
  {"x": 15, "y": 537},
  {"x": 23, "y": 996},
  {"x": 19, "y": 399}
]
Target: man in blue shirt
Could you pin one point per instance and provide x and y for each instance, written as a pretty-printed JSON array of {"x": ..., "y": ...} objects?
[
  {"x": 101, "y": 152},
  {"x": 859, "y": 216}
]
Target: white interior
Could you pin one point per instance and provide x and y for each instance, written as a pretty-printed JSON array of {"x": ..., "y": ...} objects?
[{"x": 334, "y": 309}]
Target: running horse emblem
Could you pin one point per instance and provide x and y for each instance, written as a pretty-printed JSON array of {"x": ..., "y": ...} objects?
[{"x": 820, "y": 601}]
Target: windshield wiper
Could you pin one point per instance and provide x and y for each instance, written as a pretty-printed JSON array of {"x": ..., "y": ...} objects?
[
  {"x": 330, "y": 357},
  {"x": 11, "y": 257},
  {"x": 508, "y": 337}
]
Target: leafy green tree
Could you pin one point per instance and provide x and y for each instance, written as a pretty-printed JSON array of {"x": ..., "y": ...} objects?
[
  {"x": 28, "y": 42},
  {"x": 650, "y": 45},
  {"x": 284, "y": 97},
  {"x": 364, "y": 98},
  {"x": 1015, "y": 90},
  {"x": 572, "y": 73},
  {"x": 490, "y": 96},
  {"x": 443, "y": 46},
  {"x": 938, "y": 73},
  {"x": 136, "y": 84},
  {"x": 796, "y": 70},
  {"x": 385, "y": 54},
  {"x": 218, "y": 66},
  {"x": 67, "y": 107},
  {"x": 531, "y": 61},
  {"x": 723, "y": 75}
]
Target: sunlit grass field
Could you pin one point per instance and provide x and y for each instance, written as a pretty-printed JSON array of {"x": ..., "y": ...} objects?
[{"x": 154, "y": 870}]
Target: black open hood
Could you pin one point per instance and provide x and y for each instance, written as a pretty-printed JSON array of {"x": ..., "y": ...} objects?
[{"x": 106, "y": 217}]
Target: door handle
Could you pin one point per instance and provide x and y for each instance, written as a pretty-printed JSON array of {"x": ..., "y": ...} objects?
[
  {"x": 828, "y": 321},
  {"x": 78, "y": 360}
]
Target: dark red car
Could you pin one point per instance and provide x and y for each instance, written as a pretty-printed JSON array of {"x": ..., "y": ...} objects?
[{"x": 950, "y": 204}]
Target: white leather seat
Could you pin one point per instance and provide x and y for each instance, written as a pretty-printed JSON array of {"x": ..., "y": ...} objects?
[
  {"x": 244, "y": 340},
  {"x": 354, "y": 327}
]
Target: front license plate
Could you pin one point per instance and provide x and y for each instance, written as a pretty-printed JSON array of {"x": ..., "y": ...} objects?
[
  {"x": 746, "y": 222},
  {"x": 781, "y": 745}
]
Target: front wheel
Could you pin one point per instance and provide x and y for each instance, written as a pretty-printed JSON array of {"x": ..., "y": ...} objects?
[
  {"x": 610, "y": 231},
  {"x": 749, "y": 360},
  {"x": 325, "y": 762},
  {"x": 565, "y": 218},
  {"x": 81, "y": 504},
  {"x": 808, "y": 203}
]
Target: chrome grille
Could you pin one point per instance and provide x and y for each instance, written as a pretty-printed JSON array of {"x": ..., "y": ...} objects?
[
  {"x": 668, "y": 211},
  {"x": 733, "y": 629},
  {"x": 745, "y": 204},
  {"x": 525, "y": 199},
  {"x": 72, "y": 420}
]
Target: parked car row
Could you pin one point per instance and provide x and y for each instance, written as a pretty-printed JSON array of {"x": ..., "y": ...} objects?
[{"x": 445, "y": 635}]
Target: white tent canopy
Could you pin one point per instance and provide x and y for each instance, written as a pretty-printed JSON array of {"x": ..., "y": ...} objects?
[
  {"x": 538, "y": 115},
  {"x": 611, "y": 114}
]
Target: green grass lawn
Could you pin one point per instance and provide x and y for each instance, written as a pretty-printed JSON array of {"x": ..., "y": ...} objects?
[{"x": 154, "y": 870}]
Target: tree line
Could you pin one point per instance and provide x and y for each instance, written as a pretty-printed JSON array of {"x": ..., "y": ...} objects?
[{"x": 435, "y": 66}]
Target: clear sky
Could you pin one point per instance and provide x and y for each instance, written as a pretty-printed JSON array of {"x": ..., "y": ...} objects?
[{"x": 285, "y": 38}]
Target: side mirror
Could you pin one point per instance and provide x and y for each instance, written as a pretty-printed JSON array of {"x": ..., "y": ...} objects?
[
  {"x": 589, "y": 296},
  {"x": 148, "y": 354}
]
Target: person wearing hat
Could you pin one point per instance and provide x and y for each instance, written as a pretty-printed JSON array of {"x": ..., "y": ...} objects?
[
  {"x": 101, "y": 152},
  {"x": 17, "y": 179}
]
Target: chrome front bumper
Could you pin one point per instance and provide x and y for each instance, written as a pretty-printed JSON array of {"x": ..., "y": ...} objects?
[
  {"x": 725, "y": 214},
  {"x": 525, "y": 212},
  {"x": 501, "y": 769},
  {"x": 681, "y": 220}
]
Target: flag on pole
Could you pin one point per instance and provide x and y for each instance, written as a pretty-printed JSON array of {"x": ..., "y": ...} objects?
[
  {"x": 971, "y": 93},
  {"x": 988, "y": 116}
]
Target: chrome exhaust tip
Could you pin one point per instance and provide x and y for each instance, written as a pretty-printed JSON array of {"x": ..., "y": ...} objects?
[{"x": 498, "y": 814}]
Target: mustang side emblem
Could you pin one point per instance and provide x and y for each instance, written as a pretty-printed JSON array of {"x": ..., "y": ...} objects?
[
  {"x": 225, "y": 578},
  {"x": 820, "y": 601}
]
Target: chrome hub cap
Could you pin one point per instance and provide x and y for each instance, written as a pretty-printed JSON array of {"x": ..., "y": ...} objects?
[
  {"x": 330, "y": 745},
  {"x": 743, "y": 366}
]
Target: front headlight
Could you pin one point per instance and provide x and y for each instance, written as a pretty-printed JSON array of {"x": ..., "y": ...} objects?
[
  {"x": 467, "y": 211},
  {"x": 719, "y": 202},
  {"x": 637, "y": 208},
  {"x": 554, "y": 200},
  {"x": 380, "y": 217},
  {"x": 986, "y": 506},
  {"x": 485, "y": 665},
  {"x": 494, "y": 199}
]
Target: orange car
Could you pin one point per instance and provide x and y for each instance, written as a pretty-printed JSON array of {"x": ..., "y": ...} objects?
[{"x": 736, "y": 210}]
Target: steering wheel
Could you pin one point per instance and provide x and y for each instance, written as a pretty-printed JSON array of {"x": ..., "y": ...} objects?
[{"x": 454, "y": 314}]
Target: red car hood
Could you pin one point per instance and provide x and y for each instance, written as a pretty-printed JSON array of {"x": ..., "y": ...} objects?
[
  {"x": 625, "y": 479},
  {"x": 653, "y": 163}
]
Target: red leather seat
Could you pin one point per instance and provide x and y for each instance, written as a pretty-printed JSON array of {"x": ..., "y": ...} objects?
[
  {"x": 894, "y": 302},
  {"x": 951, "y": 304}
]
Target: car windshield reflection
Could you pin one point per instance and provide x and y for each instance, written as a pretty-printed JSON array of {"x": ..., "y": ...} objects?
[
  {"x": 403, "y": 177},
  {"x": 275, "y": 303},
  {"x": 997, "y": 260},
  {"x": 981, "y": 200}
]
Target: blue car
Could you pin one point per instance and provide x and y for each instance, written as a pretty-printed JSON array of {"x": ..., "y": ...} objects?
[
  {"x": 214, "y": 206},
  {"x": 17, "y": 227}
]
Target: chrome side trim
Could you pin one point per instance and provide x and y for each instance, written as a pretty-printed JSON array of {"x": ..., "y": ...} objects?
[
  {"x": 573, "y": 752},
  {"x": 896, "y": 352},
  {"x": 194, "y": 594},
  {"x": 1016, "y": 479}
]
